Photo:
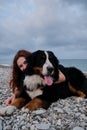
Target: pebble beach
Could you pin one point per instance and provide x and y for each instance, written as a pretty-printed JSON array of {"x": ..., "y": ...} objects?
[{"x": 65, "y": 114}]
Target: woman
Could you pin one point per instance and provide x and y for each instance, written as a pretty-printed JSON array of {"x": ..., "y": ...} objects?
[{"x": 19, "y": 65}]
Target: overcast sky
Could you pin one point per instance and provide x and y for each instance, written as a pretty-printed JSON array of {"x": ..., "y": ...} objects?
[{"x": 56, "y": 25}]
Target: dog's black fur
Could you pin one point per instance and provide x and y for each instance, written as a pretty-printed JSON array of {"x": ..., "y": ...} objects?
[{"x": 75, "y": 84}]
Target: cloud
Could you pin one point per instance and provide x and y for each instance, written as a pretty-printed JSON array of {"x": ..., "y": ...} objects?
[{"x": 56, "y": 25}]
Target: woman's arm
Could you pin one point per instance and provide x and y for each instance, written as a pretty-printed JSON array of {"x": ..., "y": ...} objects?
[
  {"x": 62, "y": 77},
  {"x": 15, "y": 94}
]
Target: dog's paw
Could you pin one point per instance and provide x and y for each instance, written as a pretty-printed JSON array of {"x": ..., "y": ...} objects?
[
  {"x": 79, "y": 99},
  {"x": 31, "y": 107},
  {"x": 25, "y": 110},
  {"x": 8, "y": 110},
  {"x": 34, "y": 104}
]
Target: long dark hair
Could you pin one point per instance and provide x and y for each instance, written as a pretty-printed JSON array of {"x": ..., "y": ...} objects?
[{"x": 16, "y": 80}]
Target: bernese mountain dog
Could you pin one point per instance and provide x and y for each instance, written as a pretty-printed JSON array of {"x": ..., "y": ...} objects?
[
  {"x": 39, "y": 85},
  {"x": 41, "y": 76}
]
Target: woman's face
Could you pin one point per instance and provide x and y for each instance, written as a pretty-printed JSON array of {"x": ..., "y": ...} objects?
[{"x": 22, "y": 63}]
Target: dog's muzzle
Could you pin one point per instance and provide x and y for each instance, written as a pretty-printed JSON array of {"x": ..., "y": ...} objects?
[{"x": 50, "y": 70}]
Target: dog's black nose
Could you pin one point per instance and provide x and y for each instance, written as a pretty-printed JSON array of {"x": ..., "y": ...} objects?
[{"x": 50, "y": 70}]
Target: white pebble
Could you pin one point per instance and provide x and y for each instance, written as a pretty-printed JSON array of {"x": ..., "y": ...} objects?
[
  {"x": 42, "y": 126},
  {"x": 78, "y": 128},
  {"x": 1, "y": 123},
  {"x": 58, "y": 109},
  {"x": 39, "y": 111},
  {"x": 59, "y": 122}
]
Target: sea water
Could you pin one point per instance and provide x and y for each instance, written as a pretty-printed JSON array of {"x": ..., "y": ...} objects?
[{"x": 79, "y": 63}]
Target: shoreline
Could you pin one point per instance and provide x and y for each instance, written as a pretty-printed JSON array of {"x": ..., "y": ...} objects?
[{"x": 7, "y": 66}]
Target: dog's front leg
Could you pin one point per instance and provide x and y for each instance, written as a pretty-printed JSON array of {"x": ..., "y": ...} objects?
[
  {"x": 18, "y": 102},
  {"x": 37, "y": 103}
]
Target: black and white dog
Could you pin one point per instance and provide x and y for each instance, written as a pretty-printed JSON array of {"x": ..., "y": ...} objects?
[
  {"x": 42, "y": 71},
  {"x": 40, "y": 77}
]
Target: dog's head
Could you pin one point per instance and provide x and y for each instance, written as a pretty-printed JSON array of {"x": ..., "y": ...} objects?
[{"x": 45, "y": 64}]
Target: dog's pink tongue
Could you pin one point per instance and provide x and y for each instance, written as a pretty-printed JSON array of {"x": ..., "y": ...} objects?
[{"x": 48, "y": 80}]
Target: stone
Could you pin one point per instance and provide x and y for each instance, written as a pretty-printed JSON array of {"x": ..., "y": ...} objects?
[
  {"x": 42, "y": 111},
  {"x": 43, "y": 126},
  {"x": 1, "y": 124},
  {"x": 78, "y": 128}
]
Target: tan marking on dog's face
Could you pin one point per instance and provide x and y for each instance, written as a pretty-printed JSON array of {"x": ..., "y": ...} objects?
[
  {"x": 38, "y": 69},
  {"x": 36, "y": 103},
  {"x": 79, "y": 92}
]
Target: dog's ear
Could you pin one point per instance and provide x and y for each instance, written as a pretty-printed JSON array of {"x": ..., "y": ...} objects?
[
  {"x": 51, "y": 54},
  {"x": 31, "y": 60}
]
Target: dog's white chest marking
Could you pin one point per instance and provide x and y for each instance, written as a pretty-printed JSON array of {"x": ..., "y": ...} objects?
[
  {"x": 32, "y": 83},
  {"x": 34, "y": 93}
]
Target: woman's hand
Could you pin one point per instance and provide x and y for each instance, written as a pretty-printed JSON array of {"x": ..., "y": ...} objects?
[
  {"x": 9, "y": 100},
  {"x": 16, "y": 93}
]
